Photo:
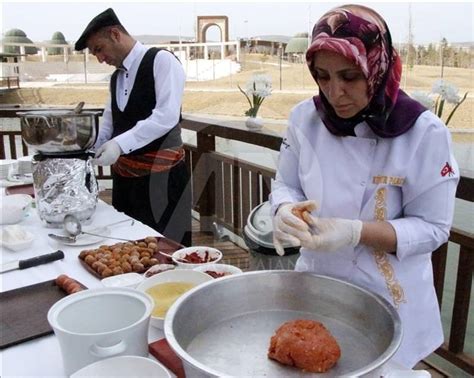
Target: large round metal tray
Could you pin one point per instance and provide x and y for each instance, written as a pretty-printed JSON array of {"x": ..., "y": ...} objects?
[{"x": 223, "y": 328}]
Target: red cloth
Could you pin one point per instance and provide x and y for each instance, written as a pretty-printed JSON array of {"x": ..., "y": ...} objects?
[
  {"x": 162, "y": 352},
  {"x": 150, "y": 162}
]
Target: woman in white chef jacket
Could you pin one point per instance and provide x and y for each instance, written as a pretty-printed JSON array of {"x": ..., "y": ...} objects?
[{"x": 376, "y": 172}]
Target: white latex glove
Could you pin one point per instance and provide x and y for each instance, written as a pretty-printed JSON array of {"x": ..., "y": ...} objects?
[
  {"x": 331, "y": 234},
  {"x": 288, "y": 227},
  {"x": 107, "y": 154}
]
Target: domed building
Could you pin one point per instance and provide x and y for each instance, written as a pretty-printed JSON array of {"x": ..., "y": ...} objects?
[
  {"x": 57, "y": 39},
  {"x": 17, "y": 36},
  {"x": 297, "y": 46}
]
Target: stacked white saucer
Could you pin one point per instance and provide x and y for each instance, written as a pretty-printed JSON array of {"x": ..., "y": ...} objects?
[
  {"x": 5, "y": 166},
  {"x": 25, "y": 165}
]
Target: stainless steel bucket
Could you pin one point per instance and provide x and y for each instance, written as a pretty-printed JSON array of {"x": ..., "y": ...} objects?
[
  {"x": 223, "y": 328},
  {"x": 59, "y": 131}
]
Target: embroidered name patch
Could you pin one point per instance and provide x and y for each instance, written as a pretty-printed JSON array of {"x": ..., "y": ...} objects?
[
  {"x": 285, "y": 143},
  {"x": 447, "y": 170},
  {"x": 390, "y": 180}
]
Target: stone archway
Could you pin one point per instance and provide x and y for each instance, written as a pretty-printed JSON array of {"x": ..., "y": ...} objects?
[{"x": 205, "y": 22}]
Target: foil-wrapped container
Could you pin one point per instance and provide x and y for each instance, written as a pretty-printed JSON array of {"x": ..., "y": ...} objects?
[{"x": 64, "y": 186}]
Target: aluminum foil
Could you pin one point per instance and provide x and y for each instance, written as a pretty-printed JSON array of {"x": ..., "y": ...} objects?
[{"x": 64, "y": 186}]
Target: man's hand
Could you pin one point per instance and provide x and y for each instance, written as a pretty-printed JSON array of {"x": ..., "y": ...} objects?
[
  {"x": 288, "y": 227},
  {"x": 107, "y": 154},
  {"x": 331, "y": 234}
]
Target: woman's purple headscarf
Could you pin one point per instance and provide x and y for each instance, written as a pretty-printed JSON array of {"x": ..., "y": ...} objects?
[{"x": 359, "y": 34}]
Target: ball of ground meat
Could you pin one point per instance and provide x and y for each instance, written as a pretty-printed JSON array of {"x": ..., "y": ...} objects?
[{"x": 305, "y": 344}]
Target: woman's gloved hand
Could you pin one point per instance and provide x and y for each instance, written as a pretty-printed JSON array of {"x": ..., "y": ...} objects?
[
  {"x": 331, "y": 234},
  {"x": 107, "y": 154},
  {"x": 288, "y": 227}
]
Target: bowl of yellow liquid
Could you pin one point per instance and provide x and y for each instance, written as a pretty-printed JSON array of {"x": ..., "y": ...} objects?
[{"x": 165, "y": 288}]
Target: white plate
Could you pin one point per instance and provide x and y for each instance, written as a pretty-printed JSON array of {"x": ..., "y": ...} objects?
[
  {"x": 124, "y": 366},
  {"x": 5, "y": 164},
  {"x": 131, "y": 279},
  {"x": 25, "y": 180},
  {"x": 85, "y": 239}
]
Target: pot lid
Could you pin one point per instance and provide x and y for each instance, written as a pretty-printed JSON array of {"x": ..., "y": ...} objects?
[
  {"x": 259, "y": 226},
  {"x": 56, "y": 113}
]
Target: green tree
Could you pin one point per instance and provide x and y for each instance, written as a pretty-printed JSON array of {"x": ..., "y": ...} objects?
[
  {"x": 442, "y": 54},
  {"x": 421, "y": 55}
]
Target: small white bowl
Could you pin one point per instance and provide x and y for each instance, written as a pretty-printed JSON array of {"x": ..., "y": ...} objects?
[
  {"x": 158, "y": 268},
  {"x": 124, "y": 366},
  {"x": 13, "y": 208},
  {"x": 177, "y": 275},
  {"x": 215, "y": 254},
  {"x": 16, "y": 238},
  {"x": 131, "y": 280},
  {"x": 227, "y": 269}
]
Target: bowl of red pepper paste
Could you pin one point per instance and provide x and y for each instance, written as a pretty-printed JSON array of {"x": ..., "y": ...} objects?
[
  {"x": 219, "y": 270},
  {"x": 192, "y": 257}
]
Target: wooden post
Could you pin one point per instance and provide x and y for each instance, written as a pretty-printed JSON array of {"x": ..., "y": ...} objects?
[
  {"x": 205, "y": 180},
  {"x": 461, "y": 299},
  {"x": 438, "y": 260},
  {"x": 236, "y": 198}
]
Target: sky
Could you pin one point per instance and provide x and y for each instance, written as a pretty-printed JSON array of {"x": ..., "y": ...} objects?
[{"x": 431, "y": 20}]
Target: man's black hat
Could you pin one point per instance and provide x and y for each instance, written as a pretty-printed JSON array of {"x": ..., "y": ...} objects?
[{"x": 106, "y": 18}]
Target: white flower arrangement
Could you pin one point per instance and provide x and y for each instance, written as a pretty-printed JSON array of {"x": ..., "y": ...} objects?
[
  {"x": 442, "y": 92},
  {"x": 257, "y": 89},
  {"x": 424, "y": 99}
]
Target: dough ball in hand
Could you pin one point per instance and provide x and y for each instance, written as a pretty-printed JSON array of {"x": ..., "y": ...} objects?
[{"x": 303, "y": 212}]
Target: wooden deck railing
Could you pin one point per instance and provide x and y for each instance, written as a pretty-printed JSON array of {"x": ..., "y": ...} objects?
[
  {"x": 453, "y": 349},
  {"x": 9, "y": 82},
  {"x": 226, "y": 189}
]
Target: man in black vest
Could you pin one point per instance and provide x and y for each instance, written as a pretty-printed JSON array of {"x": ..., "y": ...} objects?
[{"x": 140, "y": 134}]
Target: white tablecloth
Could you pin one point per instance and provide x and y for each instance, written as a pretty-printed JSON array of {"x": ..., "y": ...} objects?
[{"x": 42, "y": 357}]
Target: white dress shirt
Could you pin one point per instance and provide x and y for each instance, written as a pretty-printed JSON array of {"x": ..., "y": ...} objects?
[
  {"x": 409, "y": 181},
  {"x": 169, "y": 87}
]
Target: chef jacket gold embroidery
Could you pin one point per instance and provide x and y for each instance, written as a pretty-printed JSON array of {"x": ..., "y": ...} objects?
[{"x": 346, "y": 176}]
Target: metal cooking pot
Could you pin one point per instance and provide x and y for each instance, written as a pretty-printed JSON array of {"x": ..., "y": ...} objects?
[
  {"x": 59, "y": 131},
  {"x": 258, "y": 235},
  {"x": 223, "y": 327}
]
